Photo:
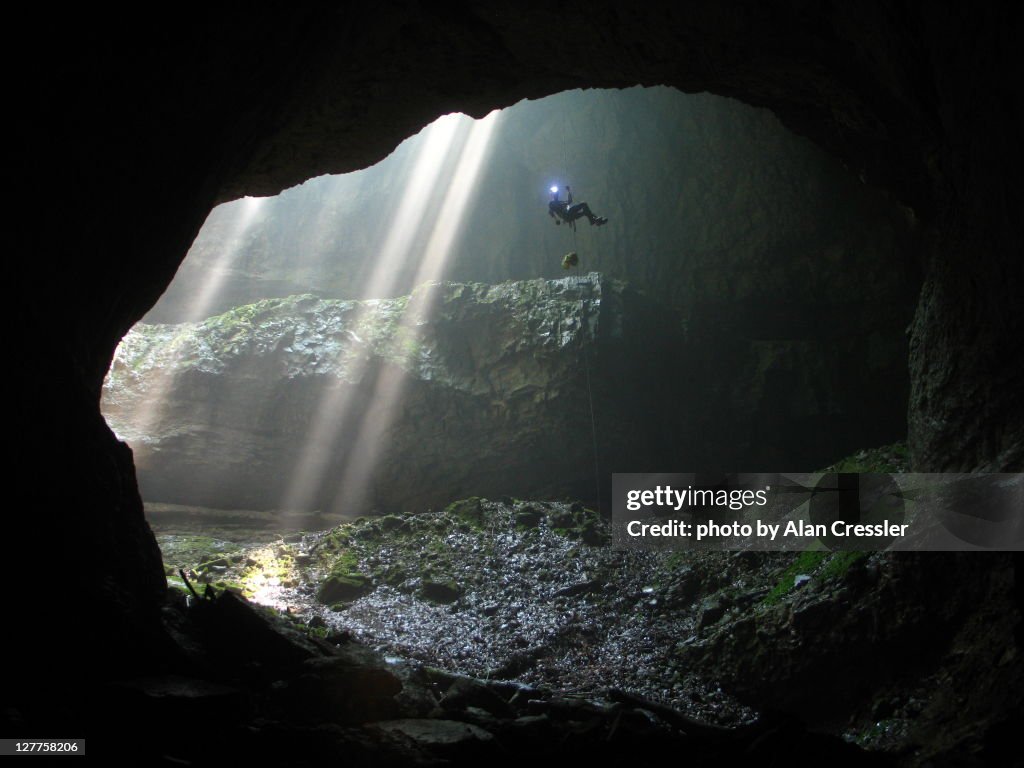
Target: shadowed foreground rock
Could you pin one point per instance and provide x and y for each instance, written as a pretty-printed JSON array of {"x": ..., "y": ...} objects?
[{"x": 289, "y": 699}]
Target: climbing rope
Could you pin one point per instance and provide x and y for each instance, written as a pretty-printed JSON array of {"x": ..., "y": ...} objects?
[
  {"x": 590, "y": 390},
  {"x": 583, "y": 321}
]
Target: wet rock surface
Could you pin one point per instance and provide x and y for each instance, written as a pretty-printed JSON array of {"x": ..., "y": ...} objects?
[
  {"x": 337, "y": 699},
  {"x": 471, "y": 589},
  {"x": 546, "y": 630}
]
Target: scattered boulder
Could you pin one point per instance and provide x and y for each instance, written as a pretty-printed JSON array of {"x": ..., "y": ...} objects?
[
  {"x": 562, "y": 519},
  {"x": 686, "y": 585},
  {"x": 241, "y": 631},
  {"x": 468, "y": 510},
  {"x": 593, "y": 532},
  {"x": 583, "y": 588},
  {"x": 182, "y": 701},
  {"x": 529, "y": 517},
  {"x": 440, "y": 591},
  {"x": 351, "y": 686},
  {"x": 466, "y": 692},
  {"x": 711, "y": 610},
  {"x": 446, "y": 739},
  {"x": 392, "y": 523},
  {"x": 343, "y": 588}
]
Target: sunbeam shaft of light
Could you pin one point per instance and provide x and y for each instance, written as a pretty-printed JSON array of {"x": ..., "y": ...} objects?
[
  {"x": 378, "y": 420},
  {"x": 206, "y": 298},
  {"x": 456, "y": 203},
  {"x": 408, "y": 217},
  {"x": 147, "y": 413},
  {"x": 331, "y": 417}
]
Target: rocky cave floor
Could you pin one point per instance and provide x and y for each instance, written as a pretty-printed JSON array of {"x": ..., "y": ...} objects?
[
  {"x": 511, "y": 622},
  {"x": 498, "y": 590}
]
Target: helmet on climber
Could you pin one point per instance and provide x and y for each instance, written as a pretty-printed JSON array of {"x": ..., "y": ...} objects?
[{"x": 565, "y": 210}]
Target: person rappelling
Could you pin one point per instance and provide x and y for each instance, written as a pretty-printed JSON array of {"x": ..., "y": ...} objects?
[{"x": 565, "y": 210}]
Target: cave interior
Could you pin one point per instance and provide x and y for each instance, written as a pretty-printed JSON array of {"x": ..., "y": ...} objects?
[{"x": 913, "y": 104}]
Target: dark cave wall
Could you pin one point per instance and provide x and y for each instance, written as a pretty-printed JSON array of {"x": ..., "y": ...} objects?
[{"x": 152, "y": 127}]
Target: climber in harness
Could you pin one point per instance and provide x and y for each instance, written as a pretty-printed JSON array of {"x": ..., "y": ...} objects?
[{"x": 565, "y": 210}]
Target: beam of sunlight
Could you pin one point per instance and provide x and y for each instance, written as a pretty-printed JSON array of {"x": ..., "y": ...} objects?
[
  {"x": 378, "y": 420},
  {"x": 409, "y": 215},
  {"x": 246, "y": 214},
  {"x": 141, "y": 417},
  {"x": 331, "y": 417},
  {"x": 457, "y": 199}
]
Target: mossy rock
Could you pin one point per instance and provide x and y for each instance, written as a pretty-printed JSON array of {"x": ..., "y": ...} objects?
[
  {"x": 440, "y": 591},
  {"x": 825, "y": 565},
  {"x": 840, "y": 563},
  {"x": 338, "y": 588},
  {"x": 336, "y": 539},
  {"x": 394, "y": 576},
  {"x": 347, "y": 561},
  {"x": 593, "y": 533},
  {"x": 220, "y": 562},
  {"x": 178, "y": 584},
  {"x": 344, "y": 582},
  {"x": 229, "y": 586},
  {"x": 528, "y": 517},
  {"x": 894, "y": 458},
  {"x": 367, "y": 532},
  {"x": 469, "y": 511},
  {"x": 190, "y": 550},
  {"x": 392, "y": 524},
  {"x": 561, "y": 519}
]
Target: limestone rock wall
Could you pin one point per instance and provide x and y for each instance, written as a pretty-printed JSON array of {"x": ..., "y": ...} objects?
[
  {"x": 473, "y": 389},
  {"x": 455, "y": 389}
]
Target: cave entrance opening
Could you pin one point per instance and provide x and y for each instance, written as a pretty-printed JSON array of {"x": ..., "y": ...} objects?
[{"x": 393, "y": 339}]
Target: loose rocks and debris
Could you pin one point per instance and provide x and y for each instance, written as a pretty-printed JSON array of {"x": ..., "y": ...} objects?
[{"x": 501, "y": 615}]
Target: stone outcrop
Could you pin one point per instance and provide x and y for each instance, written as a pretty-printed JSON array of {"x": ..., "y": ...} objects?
[
  {"x": 400, "y": 403},
  {"x": 466, "y": 388}
]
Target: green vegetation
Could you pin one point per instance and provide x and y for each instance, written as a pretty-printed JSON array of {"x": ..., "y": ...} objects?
[
  {"x": 414, "y": 553},
  {"x": 344, "y": 582},
  {"x": 392, "y": 524},
  {"x": 677, "y": 560},
  {"x": 243, "y": 319},
  {"x": 199, "y": 552},
  {"x": 346, "y": 562},
  {"x": 176, "y": 582},
  {"x": 825, "y": 565},
  {"x": 806, "y": 562},
  {"x": 892, "y": 458},
  {"x": 469, "y": 511},
  {"x": 840, "y": 563}
]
